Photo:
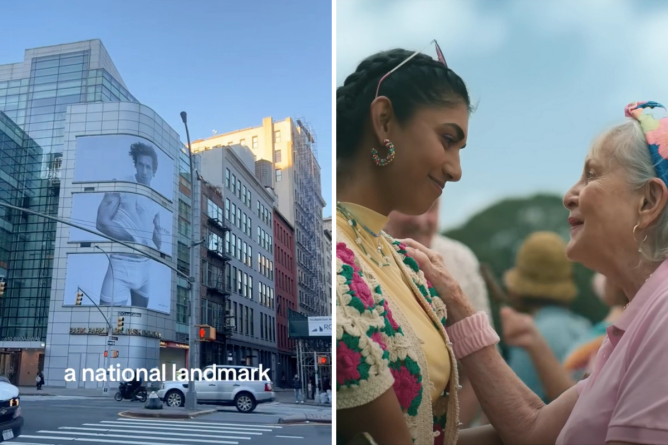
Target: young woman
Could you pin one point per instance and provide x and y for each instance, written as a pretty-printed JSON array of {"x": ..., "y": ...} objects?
[{"x": 402, "y": 119}]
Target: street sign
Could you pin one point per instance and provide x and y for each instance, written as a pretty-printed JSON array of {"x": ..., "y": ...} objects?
[
  {"x": 114, "y": 338},
  {"x": 111, "y": 343}
]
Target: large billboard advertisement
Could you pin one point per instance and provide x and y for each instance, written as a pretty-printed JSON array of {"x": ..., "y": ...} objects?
[
  {"x": 125, "y": 216},
  {"x": 125, "y": 158},
  {"x": 124, "y": 280}
]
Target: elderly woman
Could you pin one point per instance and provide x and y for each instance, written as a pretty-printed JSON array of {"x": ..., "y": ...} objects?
[{"x": 619, "y": 227}]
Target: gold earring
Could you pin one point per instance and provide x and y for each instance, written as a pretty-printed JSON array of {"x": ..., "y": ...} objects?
[{"x": 634, "y": 238}]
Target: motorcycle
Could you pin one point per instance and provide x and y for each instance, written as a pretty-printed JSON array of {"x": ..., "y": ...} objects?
[{"x": 124, "y": 392}]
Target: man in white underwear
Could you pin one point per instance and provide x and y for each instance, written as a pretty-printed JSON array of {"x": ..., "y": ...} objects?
[{"x": 132, "y": 218}]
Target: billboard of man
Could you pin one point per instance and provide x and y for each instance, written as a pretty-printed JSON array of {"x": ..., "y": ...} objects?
[{"x": 132, "y": 218}]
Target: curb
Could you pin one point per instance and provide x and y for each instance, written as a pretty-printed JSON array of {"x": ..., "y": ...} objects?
[
  {"x": 154, "y": 414},
  {"x": 305, "y": 418}
]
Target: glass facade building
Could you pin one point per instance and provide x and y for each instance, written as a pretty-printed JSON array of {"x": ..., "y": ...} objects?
[{"x": 36, "y": 97}]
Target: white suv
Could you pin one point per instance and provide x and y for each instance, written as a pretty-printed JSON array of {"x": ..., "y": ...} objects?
[{"x": 244, "y": 394}]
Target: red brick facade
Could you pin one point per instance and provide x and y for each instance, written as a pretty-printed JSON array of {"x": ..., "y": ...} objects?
[{"x": 285, "y": 278}]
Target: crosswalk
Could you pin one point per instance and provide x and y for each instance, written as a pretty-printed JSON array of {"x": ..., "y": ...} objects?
[{"x": 125, "y": 431}]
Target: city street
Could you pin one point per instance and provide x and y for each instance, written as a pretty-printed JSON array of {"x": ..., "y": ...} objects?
[{"x": 64, "y": 419}]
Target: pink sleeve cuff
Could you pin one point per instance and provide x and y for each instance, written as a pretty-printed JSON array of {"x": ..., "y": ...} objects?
[{"x": 472, "y": 334}]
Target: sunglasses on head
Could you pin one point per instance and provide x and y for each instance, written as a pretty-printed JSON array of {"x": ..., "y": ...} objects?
[{"x": 439, "y": 54}]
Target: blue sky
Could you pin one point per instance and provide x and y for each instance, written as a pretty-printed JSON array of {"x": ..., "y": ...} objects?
[
  {"x": 227, "y": 63},
  {"x": 547, "y": 75}
]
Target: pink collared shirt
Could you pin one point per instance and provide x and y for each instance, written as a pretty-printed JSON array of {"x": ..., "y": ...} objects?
[{"x": 625, "y": 398}]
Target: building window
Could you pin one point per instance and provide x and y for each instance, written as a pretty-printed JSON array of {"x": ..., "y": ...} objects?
[
  {"x": 249, "y": 232},
  {"x": 277, "y": 136},
  {"x": 242, "y": 141},
  {"x": 279, "y": 175},
  {"x": 182, "y": 305},
  {"x": 245, "y": 224},
  {"x": 227, "y": 209},
  {"x": 227, "y": 242},
  {"x": 254, "y": 141},
  {"x": 247, "y": 319},
  {"x": 234, "y": 279},
  {"x": 239, "y": 282},
  {"x": 261, "y": 325},
  {"x": 183, "y": 258},
  {"x": 250, "y": 256},
  {"x": 277, "y": 156},
  {"x": 250, "y": 287},
  {"x": 250, "y": 202},
  {"x": 252, "y": 328},
  {"x": 239, "y": 188},
  {"x": 239, "y": 218},
  {"x": 243, "y": 195},
  {"x": 241, "y": 318},
  {"x": 245, "y": 293},
  {"x": 234, "y": 184},
  {"x": 245, "y": 252},
  {"x": 227, "y": 178}
]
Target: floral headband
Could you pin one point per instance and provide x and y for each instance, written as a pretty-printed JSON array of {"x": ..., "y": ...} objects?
[{"x": 654, "y": 123}]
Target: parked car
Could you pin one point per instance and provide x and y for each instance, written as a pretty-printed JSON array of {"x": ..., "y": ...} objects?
[
  {"x": 245, "y": 395},
  {"x": 11, "y": 420}
]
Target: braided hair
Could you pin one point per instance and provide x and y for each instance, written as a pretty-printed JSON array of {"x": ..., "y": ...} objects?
[{"x": 422, "y": 81}]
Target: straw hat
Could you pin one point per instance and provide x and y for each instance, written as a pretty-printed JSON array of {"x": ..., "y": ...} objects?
[{"x": 542, "y": 269}]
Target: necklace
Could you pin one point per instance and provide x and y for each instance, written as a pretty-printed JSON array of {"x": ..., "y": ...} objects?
[{"x": 353, "y": 223}]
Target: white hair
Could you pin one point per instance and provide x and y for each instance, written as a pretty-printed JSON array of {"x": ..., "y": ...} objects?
[{"x": 629, "y": 148}]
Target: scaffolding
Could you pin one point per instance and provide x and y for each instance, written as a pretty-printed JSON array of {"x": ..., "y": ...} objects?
[
  {"x": 308, "y": 218},
  {"x": 314, "y": 358}
]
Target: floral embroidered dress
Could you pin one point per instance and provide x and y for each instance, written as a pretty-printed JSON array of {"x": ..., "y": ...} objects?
[{"x": 390, "y": 330}]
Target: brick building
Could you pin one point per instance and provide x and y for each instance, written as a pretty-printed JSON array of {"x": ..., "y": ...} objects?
[{"x": 286, "y": 295}]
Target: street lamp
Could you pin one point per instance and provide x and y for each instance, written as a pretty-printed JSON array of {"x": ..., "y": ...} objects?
[
  {"x": 191, "y": 396},
  {"x": 113, "y": 281}
]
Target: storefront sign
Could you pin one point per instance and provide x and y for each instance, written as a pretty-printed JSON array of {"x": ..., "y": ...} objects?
[
  {"x": 172, "y": 344},
  {"x": 129, "y": 314},
  {"x": 103, "y": 331},
  {"x": 320, "y": 326},
  {"x": 21, "y": 339}
]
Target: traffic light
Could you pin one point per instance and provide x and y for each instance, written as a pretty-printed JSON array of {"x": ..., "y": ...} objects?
[
  {"x": 79, "y": 298},
  {"x": 206, "y": 333},
  {"x": 121, "y": 322},
  {"x": 323, "y": 360},
  {"x": 115, "y": 354},
  {"x": 106, "y": 353},
  {"x": 3, "y": 284}
]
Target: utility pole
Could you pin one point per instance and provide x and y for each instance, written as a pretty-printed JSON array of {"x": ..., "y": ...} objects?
[{"x": 191, "y": 396}]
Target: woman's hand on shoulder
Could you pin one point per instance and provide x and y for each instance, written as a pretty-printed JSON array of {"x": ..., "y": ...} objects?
[{"x": 447, "y": 288}]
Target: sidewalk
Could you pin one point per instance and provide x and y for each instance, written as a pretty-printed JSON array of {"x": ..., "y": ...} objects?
[
  {"x": 288, "y": 396},
  {"x": 59, "y": 391}
]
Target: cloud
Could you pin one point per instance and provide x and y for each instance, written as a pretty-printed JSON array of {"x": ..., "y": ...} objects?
[{"x": 366, "y": 27}]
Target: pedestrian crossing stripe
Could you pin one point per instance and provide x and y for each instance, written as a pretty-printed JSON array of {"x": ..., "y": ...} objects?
[
  {"x": 195, "y": 427},
  {"x": 150, "y": 431}
]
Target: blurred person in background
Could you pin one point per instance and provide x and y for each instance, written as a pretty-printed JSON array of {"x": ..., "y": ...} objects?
[
  {"x": 465, "y": 268},
  {"x": 541, "y": 284},
  {"x": 519, "y": 330}
]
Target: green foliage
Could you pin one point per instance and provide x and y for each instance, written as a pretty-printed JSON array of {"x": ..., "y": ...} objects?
[{"x": 496, "y": 234}]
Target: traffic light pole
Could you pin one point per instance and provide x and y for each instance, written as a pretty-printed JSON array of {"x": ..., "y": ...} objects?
[
  {"x": 191, "y": 396},
  {"x": 107, "y": 359},
  {"x": 98, "y": 307}
]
